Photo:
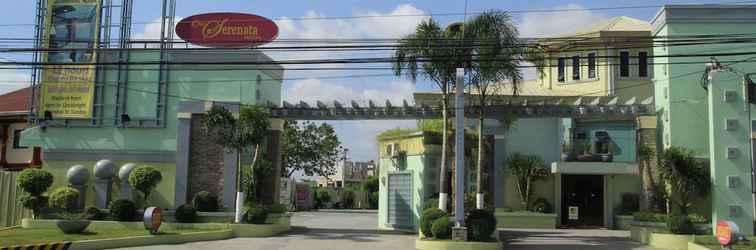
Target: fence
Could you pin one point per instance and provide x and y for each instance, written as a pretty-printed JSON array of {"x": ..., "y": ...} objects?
[{"x": 11, "y": 211}]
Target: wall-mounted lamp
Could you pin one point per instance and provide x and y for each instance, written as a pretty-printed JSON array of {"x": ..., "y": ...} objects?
[{"x": 125, "y": 119}]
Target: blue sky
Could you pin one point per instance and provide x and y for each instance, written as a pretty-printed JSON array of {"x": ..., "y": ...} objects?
[{"x": 358, "y": 136}]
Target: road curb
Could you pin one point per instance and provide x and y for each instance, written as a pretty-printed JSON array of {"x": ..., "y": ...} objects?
[{"x": 346, "y": 211}]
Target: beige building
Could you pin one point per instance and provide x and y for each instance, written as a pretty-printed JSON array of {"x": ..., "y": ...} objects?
[{"x": 348, "y": 173}]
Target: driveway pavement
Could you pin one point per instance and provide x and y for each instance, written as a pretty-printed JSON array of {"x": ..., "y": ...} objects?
[
  {"x": 568, "y": 239},
  {"x": 316, "y": 231}
]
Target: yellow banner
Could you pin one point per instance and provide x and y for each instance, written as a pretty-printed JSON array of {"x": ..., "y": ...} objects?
[{"x": 67, "y": 84}]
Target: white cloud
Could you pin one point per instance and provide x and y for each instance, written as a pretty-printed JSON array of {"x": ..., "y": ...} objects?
[
  {"x": 547, "y": 24},
  {"x": 12, "y": 79},
  {"x": 151, "y": 31}
]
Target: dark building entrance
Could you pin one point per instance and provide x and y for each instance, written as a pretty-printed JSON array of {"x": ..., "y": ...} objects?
[{"x": 583, "y": 200}]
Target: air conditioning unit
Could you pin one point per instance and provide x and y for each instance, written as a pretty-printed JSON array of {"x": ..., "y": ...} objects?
[{"x": 392, "y": 149}]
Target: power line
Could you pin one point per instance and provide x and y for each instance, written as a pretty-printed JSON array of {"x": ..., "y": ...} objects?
[{"x": 430, "y": 14}]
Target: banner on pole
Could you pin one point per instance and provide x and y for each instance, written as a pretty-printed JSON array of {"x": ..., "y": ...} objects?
[{"x": 71, "y": 35}]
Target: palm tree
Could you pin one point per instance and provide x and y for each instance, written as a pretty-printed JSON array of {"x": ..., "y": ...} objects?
[
  {"x": 433, "y": 53},
  {"x": 494, "y": 58},
  {"x": 249, "y": 130},
  {"x": 645, "y": 155}
]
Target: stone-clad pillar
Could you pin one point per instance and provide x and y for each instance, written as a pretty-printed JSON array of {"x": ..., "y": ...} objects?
[{"x": 274, "y": 154}]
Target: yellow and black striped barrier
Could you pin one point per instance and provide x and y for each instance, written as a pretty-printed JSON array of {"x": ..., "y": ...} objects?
[{"x": 41, "y": 246}]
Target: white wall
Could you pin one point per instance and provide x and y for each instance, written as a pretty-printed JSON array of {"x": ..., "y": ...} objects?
[{"x": 17, "y": 155}]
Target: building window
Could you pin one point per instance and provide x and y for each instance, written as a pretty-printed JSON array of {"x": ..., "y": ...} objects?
[
  {"x": 576, "y": 68},
  {"x": 624, "y": 64},
  {"x": 258, "y": 96},
  {"x": 643, "y": 64},
  {"x": 560, "y": 69},
  {"x": 17, "y": 139},
  {"x": 259, "y": 79},
  {"x": 591, "y": 65}
]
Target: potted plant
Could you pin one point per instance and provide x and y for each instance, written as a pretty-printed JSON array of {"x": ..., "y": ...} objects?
[
  {"x": 609, "y": 149},
  {"x": 66, "y": 200},
  {"x": 585, "y": 152},
  {"x": 568, "y": 153}
]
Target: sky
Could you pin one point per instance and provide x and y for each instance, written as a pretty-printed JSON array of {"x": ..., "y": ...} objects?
[{"x": 358, "y": 136}]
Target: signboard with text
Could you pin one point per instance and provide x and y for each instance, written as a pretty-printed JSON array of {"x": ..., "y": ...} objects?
[
  {"x": 227, "y": 30},
  {"x": 71, "y": 34}
]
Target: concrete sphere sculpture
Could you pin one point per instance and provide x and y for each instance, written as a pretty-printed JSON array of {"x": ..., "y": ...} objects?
[
  {"x": 77, "y": 175},
  {"x": 104, "y": 169},
  {"x": 125, "y": 170}
]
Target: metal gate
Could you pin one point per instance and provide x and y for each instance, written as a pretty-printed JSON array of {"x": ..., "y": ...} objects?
[{"x": 400, "y": 200}]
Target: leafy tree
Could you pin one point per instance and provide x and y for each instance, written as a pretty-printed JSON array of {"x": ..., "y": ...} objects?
[
  {"x": 34, "y": 182},
  {"x": 311, "y": 148},
  {"x": 249, "y": 130},
  {"x": 144, "y": 179},
  {"x": 435, "y": 54},
  {"x": 370, "y": 186},
  {"x": 687, "y": 177},
  {"x": 526, "y": 170}
]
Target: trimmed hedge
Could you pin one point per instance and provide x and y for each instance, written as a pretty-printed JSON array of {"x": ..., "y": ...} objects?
[
  {"x": 123, "y": 210},
  {"x": 428, "y": 217},
  {"x": 441, "y": 228},
  {"x": 256, "y": 215},
  {"x": 480, "y": 225},
  {"x": 93, "y": 213},
  {"x": 204, "y": 201},
  {"x": 65, "y": 198},
  {"x": 186, "y": 213},
  {"x": 679, "y": 224}
]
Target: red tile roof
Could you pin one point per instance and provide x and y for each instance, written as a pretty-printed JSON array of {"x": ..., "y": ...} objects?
[{"x": 15, "y": 101}]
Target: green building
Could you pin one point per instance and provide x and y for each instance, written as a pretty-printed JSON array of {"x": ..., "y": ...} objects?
[{"x": 152, "y": 114}]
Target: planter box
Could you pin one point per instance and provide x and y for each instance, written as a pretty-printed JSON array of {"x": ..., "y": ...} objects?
[
  {"x": 694, "y": 246},
  {"x": 525, "y": 220},
  {"x": 641, "y": 231},
  {"x": 670, "y": 241},
  {"x": 622, "y": 222},
  {"x": 96, "y": 225},
  {"x": 456, "y": 245}
]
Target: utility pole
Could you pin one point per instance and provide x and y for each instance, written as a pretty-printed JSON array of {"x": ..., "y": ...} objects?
[{"x": 459, "y": 150}]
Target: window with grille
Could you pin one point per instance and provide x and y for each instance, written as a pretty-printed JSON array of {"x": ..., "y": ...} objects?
[
  {"x": 576, "y": 68},
  {"x": 560, "y": 69},
  {"x": 591, "y": 65}
]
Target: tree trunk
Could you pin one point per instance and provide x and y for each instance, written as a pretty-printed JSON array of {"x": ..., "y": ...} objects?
[
  {"x": 239, "y": 191},
  {"x": 648, "y": 187},
  {"x": 479, "y": 175},
  {"x": 443, "y": 196},
  {"x": 256, "y": 179}
]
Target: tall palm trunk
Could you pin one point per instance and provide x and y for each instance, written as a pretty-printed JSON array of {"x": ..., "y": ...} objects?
[
  {"x": 239, "y": 190},
  {"x": 648, "y": 187},
  {"x": 479, "y": 175},
  {"x": 443, "y": 196}
]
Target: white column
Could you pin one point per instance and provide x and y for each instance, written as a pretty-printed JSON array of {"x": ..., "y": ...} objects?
[{"x": 459, "y": 149}]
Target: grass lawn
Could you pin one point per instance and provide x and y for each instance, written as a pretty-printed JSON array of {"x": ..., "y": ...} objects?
[
  {"x": 20, "y": 236},
  {"x": 712, "y": 243}
]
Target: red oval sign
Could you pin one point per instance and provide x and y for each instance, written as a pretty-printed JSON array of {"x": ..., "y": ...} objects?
[{"x": 227, "y": 30}]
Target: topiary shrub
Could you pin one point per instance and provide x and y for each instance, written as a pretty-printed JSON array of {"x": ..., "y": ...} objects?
[
  {"x": 441, "y": 228},
  {"x": 93, "y": 213},
  {"x": 186, "y": 213},
  {"x": 680, "y": 224},
  {"x": 205, "y": 202},
  {"x": 144, "y": 179},
  {"x": 430, "y": 203},
  {"x": 256, "y": 215},
  {"x": 480, "y": 225},
  {"x": 123, "y": 210},
  {"x": 541, "y": 205},
  {"x": 65, "y": 198},
  {"x": 34, "y": 182},
  {"x": 426, "y": 220}
]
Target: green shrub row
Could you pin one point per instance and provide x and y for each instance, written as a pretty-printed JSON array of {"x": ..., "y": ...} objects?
[{"x": 664, "y": 218}]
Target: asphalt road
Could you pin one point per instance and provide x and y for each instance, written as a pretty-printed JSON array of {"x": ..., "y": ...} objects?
[
  {"x": 316, "y": 231},
  {"x": 568, "y": 239},
  {"x": 357, "y": 231}
]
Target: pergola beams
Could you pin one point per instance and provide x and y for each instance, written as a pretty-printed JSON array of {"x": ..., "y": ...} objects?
[{"x": 523, "y": 107}]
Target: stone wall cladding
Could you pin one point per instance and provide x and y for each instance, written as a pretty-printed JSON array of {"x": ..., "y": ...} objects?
[{"x": 205, "y": 162}]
